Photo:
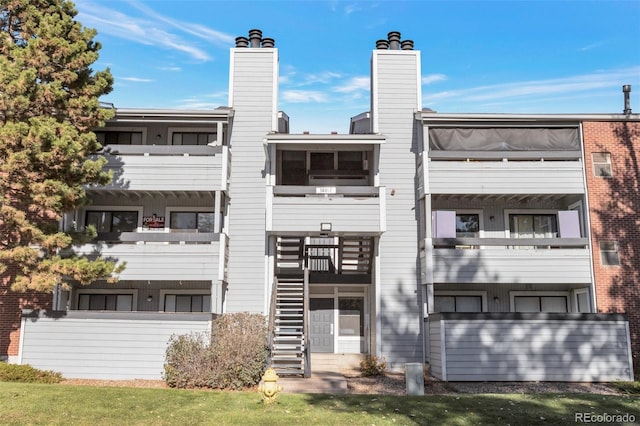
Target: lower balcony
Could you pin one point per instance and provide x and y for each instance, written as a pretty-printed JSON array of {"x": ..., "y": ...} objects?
[
  {"x": 306, "y": 210},
  {"x": 162, "y": 255},
  {"x": 103, "y": 345},
  {"x": 529, "y": 347},
  {"x": 505, "y": 260}
]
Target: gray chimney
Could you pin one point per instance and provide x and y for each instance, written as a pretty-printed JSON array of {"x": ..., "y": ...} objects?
[
  {"x": 407, "y": 44},
  {"x": 242, "y": 42},
  {"x": 255, "y": 37},
  {"x": 394, "y": 40},
  {"x": 626, "y": 89},
  {"x": 382, "y": 44},
  {"x": 268, "y": 42}
]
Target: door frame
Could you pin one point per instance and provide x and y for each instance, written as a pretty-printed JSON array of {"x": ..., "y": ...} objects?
[{"x": 335, "y": 295}]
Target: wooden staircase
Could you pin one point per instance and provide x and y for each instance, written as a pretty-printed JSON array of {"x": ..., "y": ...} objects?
[
  {"x": 288, "y": 344},
  {"x": 356, "y": 255}
]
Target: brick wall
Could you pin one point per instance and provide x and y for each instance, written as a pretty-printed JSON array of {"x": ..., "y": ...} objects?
[
  {"x": 614, "y": 208},
  {"x": 11, "y": 305}
]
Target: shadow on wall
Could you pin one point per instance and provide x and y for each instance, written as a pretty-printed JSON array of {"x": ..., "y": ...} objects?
[
  {"x": 619, "y": 215},
  {"x": 12, "y": 303}
]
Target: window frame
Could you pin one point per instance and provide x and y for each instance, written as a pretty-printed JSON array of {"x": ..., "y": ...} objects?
[
  {"x": 539, "y": 294},
  {"x": 480, "y": 214},
  {"x": 534, "y": 212},
  {"x": 204, "y": 130},
  {"x": 116, "y": 292},
  {"x": 616, "y": 250},
  {"x": 123, "y": 129},
  {"x": 454, "y": 293},
  {"x": 598, "y": 165},
  {"x": 180, "y": 209},
  {"x": 182, "y": 292},
  {"x": 138, "y": 209}
]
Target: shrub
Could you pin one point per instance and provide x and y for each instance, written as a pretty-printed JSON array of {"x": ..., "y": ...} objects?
[
  {"x": 188, "y": 359},
  {"x": 27, "y": 374},
  {"x": 240, "y": 349},
  {"x": 232, "y": 356},
  {"x": 373, "y": 365}
]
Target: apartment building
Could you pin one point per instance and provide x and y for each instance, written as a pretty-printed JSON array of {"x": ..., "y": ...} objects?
[{"x": 462, "y": 240}]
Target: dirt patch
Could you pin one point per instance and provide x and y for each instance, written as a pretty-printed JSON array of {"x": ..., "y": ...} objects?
[
  {"x": 390, "y": 384},
  {"x": 394, "y": 384}
]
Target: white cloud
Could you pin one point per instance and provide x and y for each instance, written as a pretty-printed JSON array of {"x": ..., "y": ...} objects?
[
  {"x": 173, "y": 69},
  {"x": 433, "y": 78},
  {"x": 302, "y": 96},
  {"x": 539, "y": 88},
  {"x": 353, "y": 85},
  {"x": 136, "y": 79},
  {"x": 150, "y": 30},
  {"x": 591, "y": 46}
]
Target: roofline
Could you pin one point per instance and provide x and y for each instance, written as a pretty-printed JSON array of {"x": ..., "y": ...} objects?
[
  {"x": 447, "y": 117},
  {"x": 171, "y": 113},
  {"x": 304, "y": 138}
]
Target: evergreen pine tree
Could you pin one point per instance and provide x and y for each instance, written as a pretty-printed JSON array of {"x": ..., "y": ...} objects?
[{"x": 49, "y": 101}]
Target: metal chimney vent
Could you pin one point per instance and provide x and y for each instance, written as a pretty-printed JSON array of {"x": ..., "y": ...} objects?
[
  {"x": 393, "y": 42},
  {"x": 626, "y": 89}
]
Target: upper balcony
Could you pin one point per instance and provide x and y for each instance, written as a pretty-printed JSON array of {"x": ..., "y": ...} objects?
[
  {"x": 166, "y": 167},
  {"x": 306, "y": 210},
  {"x": 324, "y": 184},
  {"x": 514, "y": 161},
  {"x": 508, "y": 261},
  {"x": 151, "y": 255}
]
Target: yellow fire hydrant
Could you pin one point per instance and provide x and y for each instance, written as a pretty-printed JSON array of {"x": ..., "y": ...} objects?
[{"x": 269, "y": 388}]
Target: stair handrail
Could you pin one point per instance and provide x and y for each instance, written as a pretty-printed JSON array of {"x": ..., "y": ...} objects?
[
  {"x": 305, "y": 324},
  {"x": 272, "y": 319}
]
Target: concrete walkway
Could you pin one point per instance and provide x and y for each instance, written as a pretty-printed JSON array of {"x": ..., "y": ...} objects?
[{"x": 319, "y": 382}]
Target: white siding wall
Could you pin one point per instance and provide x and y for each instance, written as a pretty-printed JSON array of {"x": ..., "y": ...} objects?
[
  {"x": 511, "y": 266},
  {"x": 159, "y": 261},
  {"x": 395, "y": 98},
  {"x": 505, "y": 177},
  {"x": 528, "y": 349},
  {"x": 110, "y": 346},
  {"x": 253, "y": 82},
  {"x": 304, "y": 214},
  {"x": 166, "y": 172}
]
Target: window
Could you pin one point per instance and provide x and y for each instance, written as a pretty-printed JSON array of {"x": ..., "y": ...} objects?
[
  {"x": 609, "y": 255},
  {"x": 540, "y": 304},
  {"x": 458, "y": 303},
  {"x": 119, "y": 138},
  {"x": 105, "y": 302},
  {"x": 112, "y": 221},
  {"x": 321, "y": 161},
  {"x": 533, "y": 226},
  {"x": 350, "y": 160},
  {"x": 294, "y": 168},
  {"x": 351, "y": 316},
  {"x": 187, "y": 303},
  {"x": 467, "y": 225},
  {"x": 200, "y": 221},
  {"x": 192, "y": 138},
  {"x": 602, "y": 164}
]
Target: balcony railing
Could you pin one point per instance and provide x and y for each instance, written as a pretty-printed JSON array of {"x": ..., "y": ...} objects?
[
  {"x": 310, "y": 209},
  {"x": 158, "y": 237},
  {"x": 507, "y": 243},
  {"x": 508, "y": 260},
  {"x": 166, "y": 167}
]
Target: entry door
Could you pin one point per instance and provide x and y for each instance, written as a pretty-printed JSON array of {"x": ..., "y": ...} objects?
[{"x": 321, "y": 324}]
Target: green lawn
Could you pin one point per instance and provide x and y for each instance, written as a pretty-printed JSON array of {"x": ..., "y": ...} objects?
[{"x": 22, "y": 404}]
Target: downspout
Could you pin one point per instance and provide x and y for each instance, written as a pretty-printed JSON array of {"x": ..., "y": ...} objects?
[{"x": 587, "y": 218}]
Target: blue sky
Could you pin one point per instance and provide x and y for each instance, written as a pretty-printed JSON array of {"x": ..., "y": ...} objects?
[{"x": 477, "y": 56}]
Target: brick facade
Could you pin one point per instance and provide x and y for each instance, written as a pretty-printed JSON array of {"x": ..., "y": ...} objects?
[
  {"x": 614, "y": 210},
  {"x": 11, "y": 305}
]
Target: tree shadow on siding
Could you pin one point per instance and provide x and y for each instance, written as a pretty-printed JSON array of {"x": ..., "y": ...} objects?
[{"x": 619, "y": 215}]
